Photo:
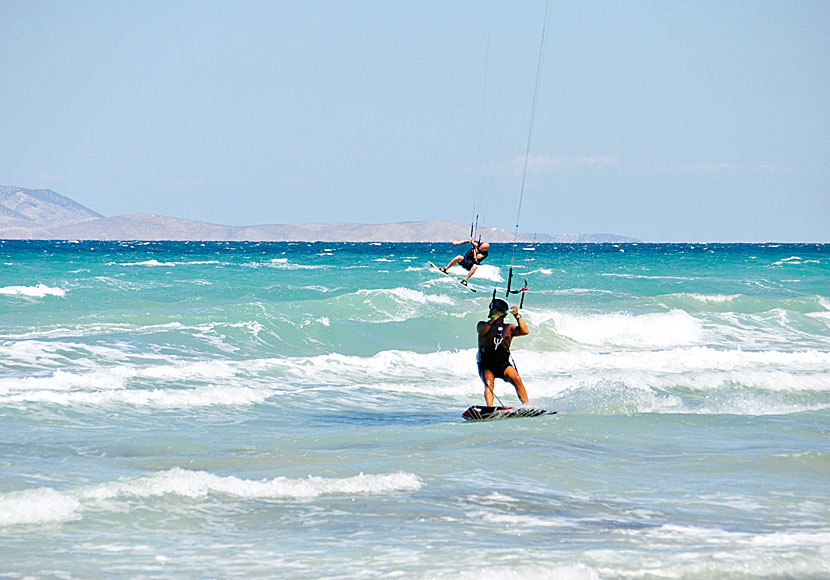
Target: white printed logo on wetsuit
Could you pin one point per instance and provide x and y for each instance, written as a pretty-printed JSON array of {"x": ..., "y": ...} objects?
[{"x": 497, "y": 340}]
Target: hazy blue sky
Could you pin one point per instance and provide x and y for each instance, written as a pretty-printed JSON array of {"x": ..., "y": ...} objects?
[{"x": 662, "y": 120}]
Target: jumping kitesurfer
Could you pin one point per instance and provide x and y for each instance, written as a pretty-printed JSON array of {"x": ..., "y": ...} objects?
[{"x": 471, "y": 259}]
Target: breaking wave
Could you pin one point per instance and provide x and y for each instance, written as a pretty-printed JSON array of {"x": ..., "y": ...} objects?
[{"x": 46, "y": 505}]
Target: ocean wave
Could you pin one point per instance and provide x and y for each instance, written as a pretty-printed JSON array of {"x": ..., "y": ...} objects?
[
  {"x": 605, "y": 397},
  {"x": 210, "y": 331},
  {"x": 527, "y": 571},
  {"x": 153, "y": 263},
  {"x": 39, "y": 291},
  {"x": 132, "y": 383},
  {"x": 45, "y": 505},
  {"x": 284, "y": 264},
  {"x": 673, "y": 328},
  {"x": 730, "y": 379},
  {"x": 37, "y": 506},
  {"x": 795, "y": 261},
  {"x": 716, "y": 298},
  {"x": 135, "y": 385},
  {"x": 740, "y": 303},
  {"x": 224, "y": 396},
  {"x": 483, "y": 272},
  {"x": 681, "y": 380},
  {"x": 198, "y": 484},
  {"x": 648, "y": 277},
  {"x": 90, "y": 329},
  {"x": 407, "y": 295},
  {"x": 44, "y": 353},
  {"x": 387, "y": 304}
]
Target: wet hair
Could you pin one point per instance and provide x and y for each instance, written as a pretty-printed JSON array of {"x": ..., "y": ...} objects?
[{"x": 499, "y": 305}]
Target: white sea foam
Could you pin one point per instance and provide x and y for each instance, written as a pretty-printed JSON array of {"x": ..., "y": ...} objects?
[
  {"x": 153, "y": 263},
  {"x": 394, "y": 304},
  {"x": 198, "y": 484},
  {"x": 389, "y": 370},
  {"x": 40, "y": 353},
  {"x": 113, "y": 385},
  {"x": 646, "y": 277},
  {"x": 672, "y": 328},
  {"x": 284, "y": 264},
  {"x": 823, "y": 316},
  {"x": 794, "y": 261},
  {"x": 483, "y": 272},
  {"x": 716, "y": 298},
  {"x": 527, "y": 571},
  {"x": 38, "y": 291},
  {"x": 225, "y": 396},
  {"x": 48, "y": 506},
  {"x": 37, "y": 506},
  {"x": 682, "y": 380},
  {"x": 93, "y": 329},
  {"x": 646, "y": 379}
]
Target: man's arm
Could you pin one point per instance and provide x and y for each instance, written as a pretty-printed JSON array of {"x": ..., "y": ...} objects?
[
  {"x": 459, "y": 242},
  {"x": 521, "y": 329}
]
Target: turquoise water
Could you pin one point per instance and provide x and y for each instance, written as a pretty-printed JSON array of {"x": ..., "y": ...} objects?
[{"x": 246, "y": 410}]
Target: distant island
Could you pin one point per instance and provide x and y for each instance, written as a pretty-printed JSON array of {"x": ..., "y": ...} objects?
[{"x": 42, "y": 214}]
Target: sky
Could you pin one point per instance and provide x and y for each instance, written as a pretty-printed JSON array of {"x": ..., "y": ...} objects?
[{"x": 661, "y": 120}]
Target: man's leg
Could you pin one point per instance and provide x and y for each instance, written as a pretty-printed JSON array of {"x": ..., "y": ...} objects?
[
  {"x": 488, "y": 379},
  {"x": 452, "y": 263},
  {"x": 512, "y": 376},
  {"x": 472, "y": 271}
]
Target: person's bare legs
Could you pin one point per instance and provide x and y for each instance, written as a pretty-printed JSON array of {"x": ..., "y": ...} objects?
[
  {"x": 454, "y": 261},
  {"x": 488, "y": 379},
  {"x": 472, "y": 271},
  {"x": 512, "y": 376}
]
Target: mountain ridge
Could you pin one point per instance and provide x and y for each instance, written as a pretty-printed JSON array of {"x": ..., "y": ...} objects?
[{"x": 46, "y": 214}]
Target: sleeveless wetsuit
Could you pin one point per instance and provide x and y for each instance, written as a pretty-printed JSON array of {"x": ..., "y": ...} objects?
[
  {"x": 495, "y": 356},
  {"x": 469, "y": 259}
]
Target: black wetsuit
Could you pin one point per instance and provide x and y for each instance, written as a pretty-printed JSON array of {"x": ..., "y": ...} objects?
[
  {"x": 495, "y": 355},
  {"x": 469, "y": 259}
]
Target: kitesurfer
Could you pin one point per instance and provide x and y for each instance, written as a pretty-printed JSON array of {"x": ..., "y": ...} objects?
[
  {"x": 471, "y": 259},
  {"x": 494, "y": 338}
]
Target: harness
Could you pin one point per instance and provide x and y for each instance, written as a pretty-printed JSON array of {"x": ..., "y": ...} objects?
[
  {"x": 498, "y": 349},
  {"x": 470, "y": 256}
]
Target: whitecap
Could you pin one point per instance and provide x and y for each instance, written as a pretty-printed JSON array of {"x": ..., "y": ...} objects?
[
  {"x": 483, "y": 272},
  {"x": 38, "y": 291},
  {"x": 38, "y": 506},
  {"x": 48, "y": 506},
  {"x": 672, "y": 328},
  {"x": 199, "y": 484}
]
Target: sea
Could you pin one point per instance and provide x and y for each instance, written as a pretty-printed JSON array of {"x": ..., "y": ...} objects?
[{"x": 293, "y": 410}]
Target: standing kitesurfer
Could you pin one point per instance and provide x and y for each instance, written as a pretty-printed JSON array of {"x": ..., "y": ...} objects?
[
  {"x": 471, "y": 259},
  {"x": 494, "y": 338}
]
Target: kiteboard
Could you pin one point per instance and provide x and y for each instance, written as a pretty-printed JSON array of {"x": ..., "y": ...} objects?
[
  {"x": 467, "y": 286},
  {"x": 482, "y": 413}
]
